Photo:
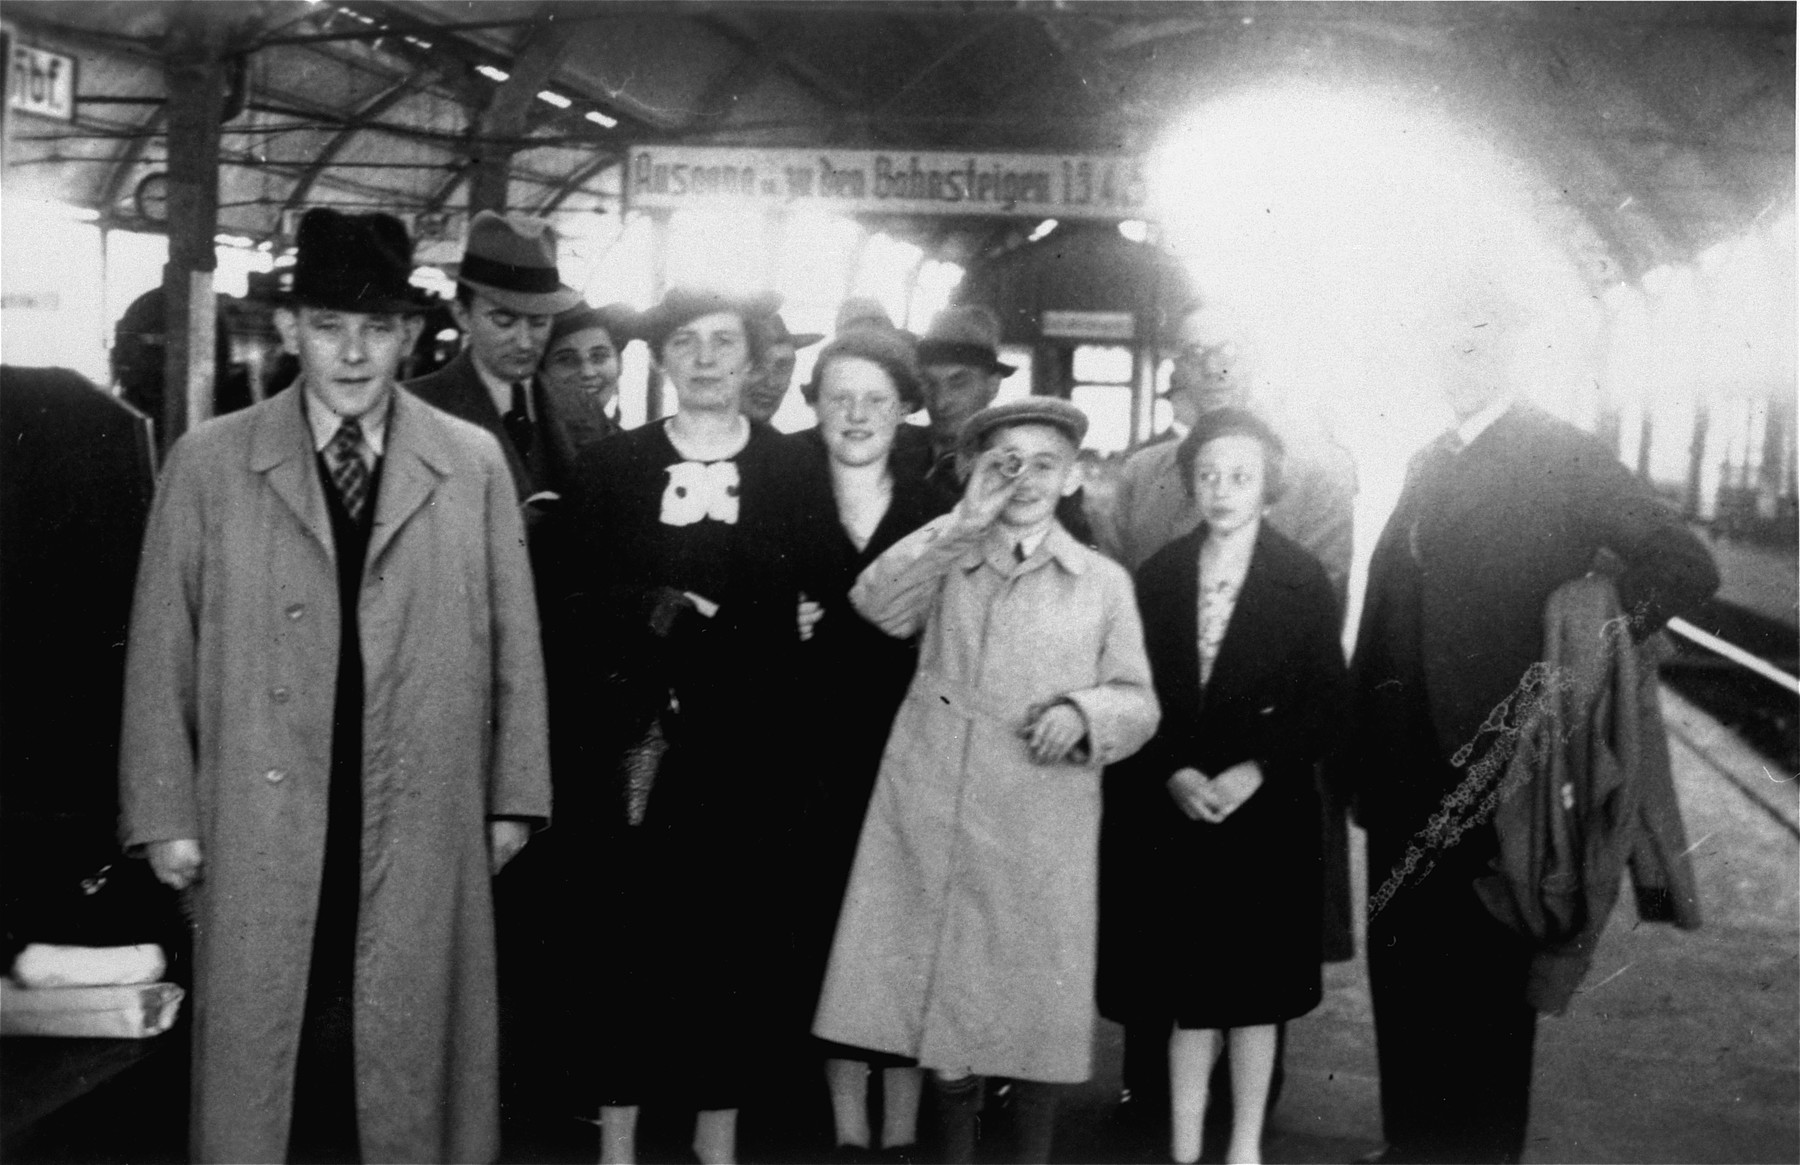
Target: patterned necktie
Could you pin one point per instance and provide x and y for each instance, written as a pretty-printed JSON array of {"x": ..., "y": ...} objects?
[
  {"x": 518, "y": 421},
  {"x": 349, "y": 471}
]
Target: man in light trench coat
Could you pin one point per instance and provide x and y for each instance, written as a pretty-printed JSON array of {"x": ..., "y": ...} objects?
[{"x": 334, "y": 734}]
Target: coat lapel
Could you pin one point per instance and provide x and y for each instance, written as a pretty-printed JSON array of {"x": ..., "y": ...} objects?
[
  {"x": 282, "y": 451},
  {"x": 1255, "y": 625},
  {"x": 467, "y": 397},
  {"x": 414, "y": 463}
]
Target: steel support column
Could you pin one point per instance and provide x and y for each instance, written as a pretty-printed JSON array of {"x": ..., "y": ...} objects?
[{"x": 194, "y": 70}]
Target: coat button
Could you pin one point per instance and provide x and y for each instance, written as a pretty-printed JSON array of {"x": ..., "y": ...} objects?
[
  {"x": 279, "y": 695},
  {"x": 297, "y": 610},
  {"x": 275, "y": 776}
]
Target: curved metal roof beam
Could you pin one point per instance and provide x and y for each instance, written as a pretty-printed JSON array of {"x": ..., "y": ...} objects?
[
  {"x": 129, "y": 156},
  {"x": 577, "y": 180},
  {"x": 374, "y": 107},
  {"x": 508, "y": 115}
]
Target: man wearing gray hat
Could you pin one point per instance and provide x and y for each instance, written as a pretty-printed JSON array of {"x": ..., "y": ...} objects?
[
  {"x": 507, "y": 297},
  {"x": 774, "y": 373},
  {"x": 507, "y": 291},
  {"x": 959, "y": 360}
]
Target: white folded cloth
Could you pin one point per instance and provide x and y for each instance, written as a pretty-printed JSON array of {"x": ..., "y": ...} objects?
[
  {"x": 50, "y": 965},
  {"x": 131, "y": 1012}
]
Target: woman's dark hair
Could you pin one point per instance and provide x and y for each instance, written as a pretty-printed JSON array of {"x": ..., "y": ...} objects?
[
  {"x": 1232, "y": 422},
  {"x": 887, "y": 348}
]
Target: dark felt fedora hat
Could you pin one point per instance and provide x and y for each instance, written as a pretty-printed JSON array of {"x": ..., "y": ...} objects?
[
  {"x": 354, "y": 262},
  {"x": 684, "y": 304},
  {"x": 964, "y": 334},
  {"x": 511, "y": 259}
]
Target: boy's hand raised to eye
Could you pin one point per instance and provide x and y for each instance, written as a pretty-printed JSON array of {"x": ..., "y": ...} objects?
[{"x": 986, "y": 494}]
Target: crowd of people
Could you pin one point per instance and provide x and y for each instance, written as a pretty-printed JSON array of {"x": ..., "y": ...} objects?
[{"x": 510, "y": 757}]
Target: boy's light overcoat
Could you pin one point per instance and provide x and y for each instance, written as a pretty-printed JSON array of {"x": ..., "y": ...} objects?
[{"x": 967, "y": 934}]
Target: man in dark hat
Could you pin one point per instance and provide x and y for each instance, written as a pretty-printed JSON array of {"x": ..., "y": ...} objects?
[
  {"x": 508, "y": 296},
  {"x": 507, "y": 292},
  {"x": 959, "y": 359},
  {"x": 774, "y": 375},
  {"x": 334, "y": 734}
]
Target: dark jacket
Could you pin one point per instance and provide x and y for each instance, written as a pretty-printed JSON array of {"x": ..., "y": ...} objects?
[
  {"x": 1585, "y": 795},
  {"x": 1524, "y": 509},
  {"x": 1277, "y": 697},
  {"x": 569, "y": 422}
]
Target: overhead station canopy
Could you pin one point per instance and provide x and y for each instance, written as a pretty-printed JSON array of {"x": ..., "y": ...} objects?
[{"x": 1653, "y": 130}]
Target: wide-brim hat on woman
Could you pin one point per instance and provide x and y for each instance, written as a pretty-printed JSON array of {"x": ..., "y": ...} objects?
[
  {"x": 618, "y": 319},
  {"x": 1031, "y": 410},
  {"x": 511, "y": 259},
  {"x": 685, "y": 304},
  {"x": 886, "y": 347},
  {"x": 964, "y": 334},
  {"x": 354, "y": 262}
]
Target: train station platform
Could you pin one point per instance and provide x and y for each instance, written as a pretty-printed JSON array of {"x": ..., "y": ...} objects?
[
  {"x": 1681, "y": 1046},
  {"x": 1758, "y": 578}
]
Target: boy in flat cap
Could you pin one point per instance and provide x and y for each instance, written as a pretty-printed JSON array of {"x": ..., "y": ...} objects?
[
  {"x": 334, "y": 734},
  {"x": 967, "y": 935}
]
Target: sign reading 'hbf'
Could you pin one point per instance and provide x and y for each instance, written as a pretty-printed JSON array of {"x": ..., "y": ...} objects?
[
  {"x": 40, "y": 82},
  {"x": 889, "y": 182}
]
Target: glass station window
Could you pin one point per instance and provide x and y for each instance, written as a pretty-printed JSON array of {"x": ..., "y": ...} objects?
[
  {"x": 1102, "y": 364},
  {"x": 1102, "y": 375},
  {"x": 1108, "y": 409},
  {"x": 1017, "y": 385}
]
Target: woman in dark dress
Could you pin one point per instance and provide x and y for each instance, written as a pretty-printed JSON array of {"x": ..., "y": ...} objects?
[
  {"x": 1211, "y": 860},
  {"x": 855, "y": 505},
  {"x": 686, "y": 601}
]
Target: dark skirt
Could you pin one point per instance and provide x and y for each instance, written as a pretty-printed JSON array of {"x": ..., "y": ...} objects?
[
  {"x": 1211, "y": 926},
  {"x": 690, "y": 903}
]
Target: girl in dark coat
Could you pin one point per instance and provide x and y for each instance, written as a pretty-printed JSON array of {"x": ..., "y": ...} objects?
[
  {"x": 855, "y": 504},
  {"x": 1211, "y": 865}
]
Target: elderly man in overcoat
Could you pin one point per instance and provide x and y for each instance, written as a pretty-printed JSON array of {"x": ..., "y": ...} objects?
[
  {"x": 334, "y": 734},
  {"x": 1497, "y": 513}
]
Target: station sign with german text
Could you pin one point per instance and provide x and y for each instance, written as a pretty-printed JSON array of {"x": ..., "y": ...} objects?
[
  {"x": 1103, "y": 186},
  {"x": 1089, "y": 325},
  {"x": 40, "y": 82}
]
